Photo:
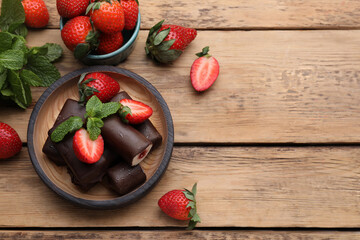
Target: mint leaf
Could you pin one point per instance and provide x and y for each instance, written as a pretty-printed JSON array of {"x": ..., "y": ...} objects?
[
  {"x": 7, "y": 92},
  {"x": 5, "y": 41},
  {"x": 3, "y": 75},
  {"x": 19, "y": 44},
  {"x": 93, "y": 127},
  {"x": 109, "y": 109},
  {"x": 70, "y": 125},
  {"x": 31, "y": 78},
  {"x": 54, "y": 51},
  {"x": 21, "y": 30},
  {"x": 51, "y": 51},
  {"x": 41, "y": 66},
  {"x": 94, "y": 107},
  {"x": 22, "y": 91},
  {"x": 12, "y": 59},
  {"x": 12, "y": 14}
]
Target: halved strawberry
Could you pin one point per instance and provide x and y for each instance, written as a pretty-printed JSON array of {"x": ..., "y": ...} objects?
[
  {"x": 87, "y": 150},
  {"x": 134, "y": 112},
  {"x": 204, "y": 70}
]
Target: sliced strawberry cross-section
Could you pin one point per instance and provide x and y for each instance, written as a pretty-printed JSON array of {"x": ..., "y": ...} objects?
[{"x": 87, "y": 150}]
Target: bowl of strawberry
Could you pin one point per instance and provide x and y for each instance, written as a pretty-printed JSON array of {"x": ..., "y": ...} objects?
[
  {"x": 99, "y": 32},
  {"x": 101, "y": 137}
]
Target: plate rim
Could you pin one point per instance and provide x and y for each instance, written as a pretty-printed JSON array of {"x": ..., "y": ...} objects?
[{"x": 122, "y": 200}]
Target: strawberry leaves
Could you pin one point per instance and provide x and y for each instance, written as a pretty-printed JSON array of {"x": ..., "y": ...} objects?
[{"x": 194, "y": 217}]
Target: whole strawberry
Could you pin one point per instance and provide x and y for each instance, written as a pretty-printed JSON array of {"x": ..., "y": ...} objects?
[
  {"x": 181, "y": 205},
  {"x": 10, "y": 143},
  {"x": 204, "y": 70},
  {"x": 109, "y": 42},
  {"x": 107, "y": 15},
  {"x": 79, "y": 36},
  {"x": 99, "y": 84},
  {"x": 36, "y": 13},
  {"x": 166, "y": 43},
  {"x": 71, "y": 8},
  {"x": 131, "y": 11}
]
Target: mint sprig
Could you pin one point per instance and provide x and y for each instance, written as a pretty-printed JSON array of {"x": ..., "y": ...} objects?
[
  {"x": 194, "y": 217},
  {"x": 20, "y": 66},
  {"x": 70, "y": 125},
  {"x": 95, "y": 112}
]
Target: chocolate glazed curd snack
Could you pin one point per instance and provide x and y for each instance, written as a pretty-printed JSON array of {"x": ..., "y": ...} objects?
[
  {"x": 123, "y": 178},
  {"x": 129, "y": 143},
  {"x": 70, "y": 108},
  {"x": 146, "y": 128}
]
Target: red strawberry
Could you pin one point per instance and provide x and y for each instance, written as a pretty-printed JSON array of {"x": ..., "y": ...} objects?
[
  {"x": 10, "y": 143},
  {"x": 131, "y": 11},
  {"x": 87, "y": 150},
  {"x": 107, "y": 16},
  {"x": 166, "y": 43},
  {"x": 204, "y": 71},
  {"x": 134, "y": 112},
  {"x": 71, "y": 8},
  {"x": 110, "y": 42},
  {"x": 181, "y": 205},
  {"x": 36, "y": 13},
  {"x": 99, "y": 84},
  {"x": 79, "y": 36}
]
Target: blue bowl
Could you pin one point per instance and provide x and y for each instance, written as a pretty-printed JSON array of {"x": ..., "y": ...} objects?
[{"x": 118, "y": 56}]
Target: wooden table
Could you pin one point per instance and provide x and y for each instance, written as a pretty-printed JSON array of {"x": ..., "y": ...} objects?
[{"x": 274, "y": 144}]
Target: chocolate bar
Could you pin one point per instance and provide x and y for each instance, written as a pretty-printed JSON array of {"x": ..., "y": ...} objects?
[
  {"x": 51, "y": 152},
  {"x": 128, "y": 142},
  {"x": 123, "y": 178},
  {"x": 146, "y": 128},
  {"x": 70, "y": 108},
  {"x": 84, "y": 174}
]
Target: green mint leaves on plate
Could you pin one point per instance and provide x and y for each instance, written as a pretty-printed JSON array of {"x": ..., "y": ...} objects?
[
  {"x": 68, "y": 126},
  {"x": 22, "y": 67},
  {"x": 95, "y": 112}
]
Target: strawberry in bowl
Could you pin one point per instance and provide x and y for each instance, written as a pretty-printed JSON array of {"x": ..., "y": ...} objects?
[{"x": 114, "y": 30}]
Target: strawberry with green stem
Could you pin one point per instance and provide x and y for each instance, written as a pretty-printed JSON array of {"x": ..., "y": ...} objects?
[
  {"x": 99, "y": 84},
  {"x": 134, "y": 112},
  {"x": 181, "y": 205},
  {"x": 204, "y": 70},
  {"x": 79, "y": 36},
  {"x": 165, "y": 43}
]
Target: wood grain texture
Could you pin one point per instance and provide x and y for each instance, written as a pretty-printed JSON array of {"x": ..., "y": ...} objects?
[
  {"x": 180, "y": 235},
  {"x": 277, "y": 86},
  {"x": 244, "y": 14},
  {"x": 237, "y": 187}
]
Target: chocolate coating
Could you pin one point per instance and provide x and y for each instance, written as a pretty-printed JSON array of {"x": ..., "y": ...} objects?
[
  {"x": 84, "y": 174},
  {"x": 123, "y": 178},
  {"x": 70, "y": 108},
  {"x": 51, "y": 152},
  {"x": 123, "y": 138},
  {"x": 146, "y": 128}
]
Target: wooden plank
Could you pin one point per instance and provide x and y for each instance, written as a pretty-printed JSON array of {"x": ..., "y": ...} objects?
[
  {"x": 274, "y": 86},
  {"x": 181, "y": 235},
  {"x": 237, "y": 187},
  {"x": 244, "y": 14}
]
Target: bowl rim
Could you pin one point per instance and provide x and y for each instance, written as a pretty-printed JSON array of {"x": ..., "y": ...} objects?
[
  {"x": 118, "y": 201},
  {"x": 118, "y": 51}
]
